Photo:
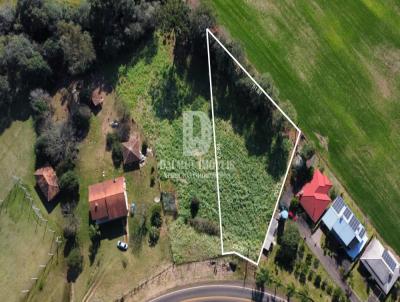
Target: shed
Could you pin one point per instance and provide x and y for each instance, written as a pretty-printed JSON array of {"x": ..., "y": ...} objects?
[
  {"x": 169, "y": 203},
  {"x": 47, "y": 181},
  {"x": 131, "y": 150},
  {"x": 98, "y": 96}
]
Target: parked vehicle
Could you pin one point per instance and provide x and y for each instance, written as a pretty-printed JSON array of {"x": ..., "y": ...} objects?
[{"x": 122, "y": 245}]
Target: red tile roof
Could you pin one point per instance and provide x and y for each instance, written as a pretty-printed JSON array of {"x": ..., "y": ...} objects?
[
  {"x": 46, "y": 180},
  {"x": 107, "y": 200},
  {"x": 314, "y": 196}
]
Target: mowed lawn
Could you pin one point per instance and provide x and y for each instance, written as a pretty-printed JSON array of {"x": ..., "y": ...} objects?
[
  {"x": 24, "y": 244},
  {"x": 338, "y": 62},
  {"x": 16, "y": 154}
]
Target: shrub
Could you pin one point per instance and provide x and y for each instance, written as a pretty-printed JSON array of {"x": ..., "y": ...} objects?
[
  {"x": 70, "y": 229},
  {"x": 94, "y": 232},
  {"x": 69, "y": 183},
  {"x": 111, "y": 138},
  {"x": 154, "y": 235},
  {"x": 155, "y": 216},
  {"x": 308, "y": 150},
  {"x": 75, "y": 259},
  {"x": 317, "y": 281},
  {"x": 194, "y": 206},
  {"x": 81, "y": 118},
  {"x": 295, "y": 204},
  {"x": 262, "y": 277},
  {"x": 338, "y": 295},
  {"x": 316, "y": 263},
  {"x": 308, "y": 259},
  {"x": 116, "y": 154},
  {"x": 203, "y": 225},
  {"x": 289, "y": 243}
]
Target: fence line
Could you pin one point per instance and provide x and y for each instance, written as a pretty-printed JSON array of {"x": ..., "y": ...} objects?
[{"x": 40, "y": 220}]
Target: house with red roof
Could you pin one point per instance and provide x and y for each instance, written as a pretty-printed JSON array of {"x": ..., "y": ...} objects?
[
  {"x": 108, "y": 200},
  {"x": 47, "y": 181},
  {"x": 314, "y": 196}
]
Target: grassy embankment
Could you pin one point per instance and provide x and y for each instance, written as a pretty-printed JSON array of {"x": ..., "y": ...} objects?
[{"x": 338, "y": 64}]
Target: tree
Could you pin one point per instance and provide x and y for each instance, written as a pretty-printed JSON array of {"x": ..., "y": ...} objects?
[
  {"x": 173, "y": 17},
  {"x": 80, "y": 115},
  {"x": 94, "y": 232},
  {"x": 263, "y": 277},
  {"x": 154, "y": 235},
  {"x": 201, "y": 18},
  {"x": 290, "y": 290},
  {"x": 40, "y": 105},
  {"x": 77, "y": 47},
  {"x": 38, "y": 17},
  {"x": 338, "y": 295},
  {"x": 289, "y": 243},
  {"x": 4, "y": 91},
  {"x": 56, "y": 144},
  {"x": 75, "y": 259},
  {"x": 194, "y": 206},
  {"x": 69, "y": 183},
  {"x": 24, "y": 64},
  {"x": 70, "y": 229},
  {"x": 116, "y": 154},
  {"x": 116, "y": 25},
  {"x": 155, "y": 216},
  {"x": 7, "y": 19}
]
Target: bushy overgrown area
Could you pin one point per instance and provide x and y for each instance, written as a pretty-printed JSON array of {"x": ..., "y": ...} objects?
[{"x": 251, "y": 143}]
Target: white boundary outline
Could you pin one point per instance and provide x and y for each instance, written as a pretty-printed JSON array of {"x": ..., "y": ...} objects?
[{"x": 208, "y": 32}]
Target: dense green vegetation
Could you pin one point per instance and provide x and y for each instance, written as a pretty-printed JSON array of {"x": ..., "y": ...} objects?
[{"x": 335, "y": 61}]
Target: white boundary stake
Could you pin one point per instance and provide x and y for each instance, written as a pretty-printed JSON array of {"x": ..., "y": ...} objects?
[{"x": 208, "y": 33}]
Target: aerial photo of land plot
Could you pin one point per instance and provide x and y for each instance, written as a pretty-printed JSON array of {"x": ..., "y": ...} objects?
[{"x": 199, "y": 150}]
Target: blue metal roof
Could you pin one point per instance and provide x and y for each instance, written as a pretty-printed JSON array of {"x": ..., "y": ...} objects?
[
  {"x": 344, "y": 231},
  {"x": 330, "y": 218}
]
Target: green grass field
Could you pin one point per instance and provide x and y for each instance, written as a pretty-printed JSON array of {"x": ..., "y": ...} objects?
[
  {"x": 16, "y": 154},
  {"x": 338, "y": 63},
  {"x": 24, "y": 244}
]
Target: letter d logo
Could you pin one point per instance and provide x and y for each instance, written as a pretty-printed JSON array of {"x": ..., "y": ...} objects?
[{"x": 196, "y": 145}]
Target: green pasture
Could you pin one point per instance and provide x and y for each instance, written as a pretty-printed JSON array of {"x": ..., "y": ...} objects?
[{"x": 338, "y": 63}]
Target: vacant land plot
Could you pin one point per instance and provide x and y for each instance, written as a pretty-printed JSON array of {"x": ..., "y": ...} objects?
[
  {"x": 24, "y": 245},
  {"x": 338, "y": 63},
  {"x": 16, "y": 154}
]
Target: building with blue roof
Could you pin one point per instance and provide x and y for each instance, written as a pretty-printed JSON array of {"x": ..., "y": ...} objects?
[{"x": 342, "y": 222}]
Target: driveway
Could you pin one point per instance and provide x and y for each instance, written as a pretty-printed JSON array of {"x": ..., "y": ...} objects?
[{"x": 327, "y": 262}]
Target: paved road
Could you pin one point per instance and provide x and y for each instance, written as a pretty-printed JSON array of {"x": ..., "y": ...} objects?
[{"x": 217, "y": 293}]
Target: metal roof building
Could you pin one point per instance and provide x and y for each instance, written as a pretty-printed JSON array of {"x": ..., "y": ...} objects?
[
  {"x": 342, "y": 222},
  {"x": 383, "y": 266}
]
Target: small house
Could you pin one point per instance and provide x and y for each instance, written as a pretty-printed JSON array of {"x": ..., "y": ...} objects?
[
  {"x": 131, "y": 151},
  {"x": 108, "y": 200},
  {"x": 345, "y": 226},
  {"x": 383, "y": 266},
  {"x": 47, "y": 182},
  {"x": 314, "y": 196},
  {"x": 97, "y": 97}
]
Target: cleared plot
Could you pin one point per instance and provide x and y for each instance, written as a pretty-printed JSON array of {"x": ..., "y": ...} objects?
[
  {"x": 253, "y": 151},
  {"x": 24, "y": 245},
  {"x": 338, "y": 63}
]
